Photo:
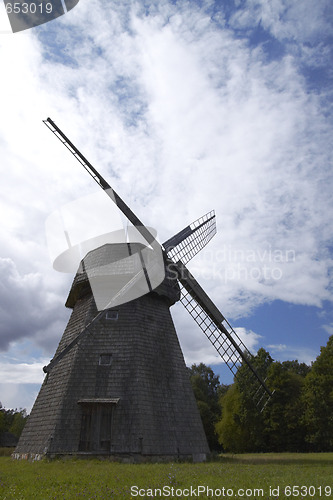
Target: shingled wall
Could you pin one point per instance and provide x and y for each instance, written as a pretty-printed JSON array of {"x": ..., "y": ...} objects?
[{"x": 145, "y": 390}]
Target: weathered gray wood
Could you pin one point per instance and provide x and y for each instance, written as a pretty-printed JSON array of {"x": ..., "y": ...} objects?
[{"x": 154, "y": 412}]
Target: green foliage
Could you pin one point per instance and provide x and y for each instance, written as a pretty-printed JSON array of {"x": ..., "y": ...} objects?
[
  {"x": 241, "y": 428},
  {"x": 295, "y": 367},
  {"x": 318, "y": 401},
  {"x": 231, "y": 434},
  {"x": 281, "y": 426},
  {"x": 18, "y": 423},
  {"x": 12, "y": 421},
  {"x": 206, "y": 388},
  {"x": 251, "y": 418},
  {"x": 2, "y": 421}
]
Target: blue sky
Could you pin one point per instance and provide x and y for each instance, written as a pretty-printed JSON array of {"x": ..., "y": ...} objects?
[{"x": 184, "y": 107}]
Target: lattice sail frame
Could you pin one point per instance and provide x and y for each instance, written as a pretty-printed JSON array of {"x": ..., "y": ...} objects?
[
  {"x": 181, "y": 248},
  {"x": 228, "y": 352},
  {"x": 188, "y": 242}
]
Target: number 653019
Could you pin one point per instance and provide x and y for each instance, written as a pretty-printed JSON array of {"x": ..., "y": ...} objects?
[{"x": 28, "y": 8}]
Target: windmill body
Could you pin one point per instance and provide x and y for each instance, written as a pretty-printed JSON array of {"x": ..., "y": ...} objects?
[{"x": 124, "y": 390}]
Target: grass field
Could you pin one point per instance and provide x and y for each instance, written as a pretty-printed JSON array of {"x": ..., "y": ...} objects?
[{"x": 267, "y": 476}]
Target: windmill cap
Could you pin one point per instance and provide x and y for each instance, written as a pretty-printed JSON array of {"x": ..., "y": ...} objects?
[
  {"x": 69, "y": 260},
  {"x": 118, "y": 273}
]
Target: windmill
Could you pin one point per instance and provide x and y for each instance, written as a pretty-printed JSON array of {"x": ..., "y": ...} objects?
[{"x": 118, "y": 384}]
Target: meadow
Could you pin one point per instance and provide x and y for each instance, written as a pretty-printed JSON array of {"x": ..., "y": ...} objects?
[{"x": 255, "y": 476}]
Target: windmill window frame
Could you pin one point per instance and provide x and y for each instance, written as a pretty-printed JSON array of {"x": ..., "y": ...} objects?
[
  {"x": 105, "y": 359},
  {"x": 112, "y": 315}
]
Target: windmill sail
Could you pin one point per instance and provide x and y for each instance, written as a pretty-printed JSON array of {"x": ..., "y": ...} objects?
[
  {"x": 188, "y": 242},
  {"x": 73, "y": 343},
  {"x": 100, "y": 180},
  {"x": 219, "y": 331},
  {"x": 181, "y": 248}
]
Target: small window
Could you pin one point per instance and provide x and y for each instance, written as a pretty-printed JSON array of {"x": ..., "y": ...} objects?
[
  {"x": 105, "y": 359},
  {"x": 111, "y": 315}
]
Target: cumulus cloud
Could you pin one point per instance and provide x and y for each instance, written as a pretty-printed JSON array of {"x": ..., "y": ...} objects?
[
  {"x": 328, "y": 328},
  {"x": 19, "y": 395},
  {"x": 287, "y": 20},
  {"x": 30, "y": 373},
  {"x": 28, "y": 309}
]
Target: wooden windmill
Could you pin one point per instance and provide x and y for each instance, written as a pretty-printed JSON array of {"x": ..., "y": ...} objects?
[{"x": 118, "y": 384}]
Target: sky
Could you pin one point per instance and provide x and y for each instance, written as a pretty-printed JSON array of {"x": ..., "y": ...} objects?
[{"x": 184, "y": 107}]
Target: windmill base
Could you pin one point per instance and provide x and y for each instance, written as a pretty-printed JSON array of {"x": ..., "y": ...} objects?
[{"x": 122, "y": 458}]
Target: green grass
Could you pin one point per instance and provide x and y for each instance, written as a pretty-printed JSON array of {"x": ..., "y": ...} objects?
[{"x": 71, "y": 479}]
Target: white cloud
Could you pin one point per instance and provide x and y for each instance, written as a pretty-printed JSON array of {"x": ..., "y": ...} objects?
[
  {"x": 249, "y": 338},
  {"x": 302, "y": 28},
  {"x": 277, "y": 347},
  {"x": 282, "y": 352},
  {"x": 19, "y": 395},
  {"x": 27, "y": 373},
  {"x": 304, "y": 21},
  {"x": 328, "y": 328}
]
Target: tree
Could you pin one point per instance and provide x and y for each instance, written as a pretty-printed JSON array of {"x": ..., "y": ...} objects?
[
  {"x": 251, "y": 418},
  {"x": 241, "y": 427},
  {"x": 231, "y": 434},
  {"x": 12, "y": 421},
  {"x": 283, "y": 425},
  {"x": 2, "y": 420},
  {"x": 294, "y": 366},
  {"x": 318, "y": 400},
  {"x": 207, "y": 388},
  {"x": 18, "y": 423}
]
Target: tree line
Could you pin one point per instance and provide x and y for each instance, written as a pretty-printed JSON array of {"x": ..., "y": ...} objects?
[
  {"x": 11, "y": 422},
  {"x": 298, "y": 418}
]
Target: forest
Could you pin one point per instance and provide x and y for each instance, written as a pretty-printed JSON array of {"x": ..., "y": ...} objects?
[{"x": 298, "y": 418}]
